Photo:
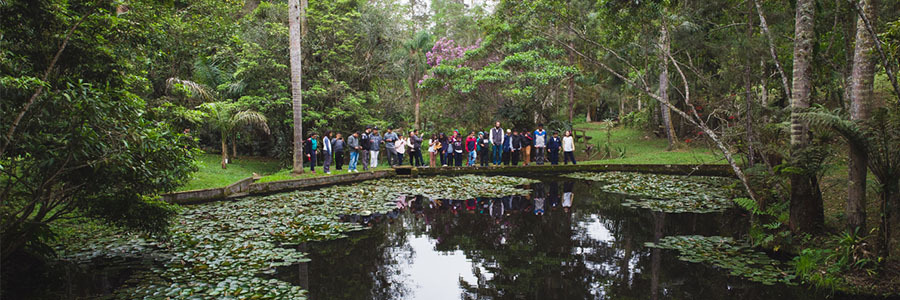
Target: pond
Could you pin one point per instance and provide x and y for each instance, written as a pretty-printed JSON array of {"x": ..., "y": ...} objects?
[{"x": 553, "y": 238}]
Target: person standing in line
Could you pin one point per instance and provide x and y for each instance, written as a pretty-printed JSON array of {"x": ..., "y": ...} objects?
[
  {"x": 497, "y": 139},
  {"x": 516, "y": 145},
  {"x": 568, "y": 145},
  {"x": 389, "y": 138},
  {"x": 326, "y": 152},
  {"x": 416, "y": 154},
  {"x": 450, "y": 152},
  {"x": 313, "y": 148},
  {"x": 338, "y": 147},
  {"x": 365, "y": 145},
  {"x": 400, "y": 146},
  {"x": 507, "y": 147},
  {"x": 540, "y": 144},
  {"x": 353, "y": 143},
  {"x": 484, "y": 149},
  {"x": 375, "y": 146},
  {"x": 433, "y": 145},
  {"x": 527, "y": 142},
  {"x": 458, "y": 148},
  {"x": 553, "y": 144},
  {"x": 445, "y": 147},
  {"x": 471, "y": 145}
]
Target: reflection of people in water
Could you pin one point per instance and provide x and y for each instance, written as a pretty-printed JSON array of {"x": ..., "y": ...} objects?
[
  {"x": 470, "y": 204},
  {"x": 539, "y": 198},
  {"x": 552, "y": 194},
  {"x": 568, "y": 196},
  {"x": 496, "y": 208}
]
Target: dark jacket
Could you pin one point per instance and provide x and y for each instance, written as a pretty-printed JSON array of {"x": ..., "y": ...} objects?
[
  {"x": 553, "y": 143},
  {"x": 527, "y": 140},
  {"x": 416, "y": 141},
  {"x": 518, "y": 141}
]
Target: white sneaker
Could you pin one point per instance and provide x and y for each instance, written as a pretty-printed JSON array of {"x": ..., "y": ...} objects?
[{"x": 328, "y": 173}]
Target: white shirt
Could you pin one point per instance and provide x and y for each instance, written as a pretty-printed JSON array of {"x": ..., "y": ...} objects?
[
  {"x": 431, "y": 145},
  {"x": 567, "y": 199},
  {"x": 400, "y": 145},
  {"x": 568, "y": 143}
]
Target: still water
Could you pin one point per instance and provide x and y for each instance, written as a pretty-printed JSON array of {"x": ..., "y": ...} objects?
[{"x": 567, "y": 240}]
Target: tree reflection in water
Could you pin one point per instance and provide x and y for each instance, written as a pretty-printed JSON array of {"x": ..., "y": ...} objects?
[{"x": 584, "y": 245}]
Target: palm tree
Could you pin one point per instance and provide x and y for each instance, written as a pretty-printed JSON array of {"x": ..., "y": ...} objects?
[
  {"x": 227, "y": 120},
  {"x": 297, "y": 27},
  {"x": 415, "y": 60}
]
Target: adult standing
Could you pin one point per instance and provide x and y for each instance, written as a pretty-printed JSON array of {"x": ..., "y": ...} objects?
[
  {"x": 516, "y": 148},
  {"x": 374, "y": 147},
  {"x": 507, "y": 147},
  {"x": 364, "y": 145},
  {"x": 433, "y": 145},
  {"x": 400, "y": 146},
  {"x": 484, "y": 149},
  {"x": 540, "y": 144},
  {"x": 416, "y": 153},
  {"x": 313, "y": 144},
  {"x": 389, "y": 138},
  {"x": 553, "y": 144},
  {"x": 445, "y": 148},
  {"x": 568, "y": 145},
  {"x": 337, "y": 147},
  {"x": 353, "y": 143},
  {"x": 497, "y": 139},
  {"x": 527, "y": 142},
  {"x": 326, "y": 151}
]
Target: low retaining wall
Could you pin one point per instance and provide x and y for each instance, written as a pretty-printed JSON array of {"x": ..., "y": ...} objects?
[
  {"x": 248, "y": 186},
  {"x": 699, "y": 170}
]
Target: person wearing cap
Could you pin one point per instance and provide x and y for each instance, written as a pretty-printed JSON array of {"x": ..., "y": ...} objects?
[
  {"x": 375, "y": 141},
  {"x": 389, "y": 138},
  {"x": 553, "y": 144},
  {"x": 484, "y": 148},
  {"x": 507, "y": 147},
  {"x": 540, "y": 144},
  {"x": 365, "y": 145},
  {"x": 497, "y": 140}
]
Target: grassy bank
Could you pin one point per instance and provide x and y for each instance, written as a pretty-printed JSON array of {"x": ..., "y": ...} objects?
[{"x": 211, "y": 174}]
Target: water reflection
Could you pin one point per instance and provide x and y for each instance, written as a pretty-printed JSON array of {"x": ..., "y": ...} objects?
[{"x": 567, "y": 240}]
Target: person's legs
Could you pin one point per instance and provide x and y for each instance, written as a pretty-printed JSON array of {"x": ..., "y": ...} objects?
[
  {"x": 354, "y": 156},
  {"x": 497, "y": 151},
  {"x": 515, "y": 157},
  {"x": 431, "y": 160},
  {"x": 373, "y": 157},
  {"x": 459, "y": 159},
  {"x": 471, "y": 158},
  {"x": 567, "y": 156},
  {"x": 399, "y": 159},
  {"x": 339, "y": 159},
  {"x": 554, "y": 157},
  {"x": 505, "y": 156},
  {"x": 527, "y": 158},
  {"x": 364, "y": 159},
  {"x": 391, "y": 155},
  {"x": 539, "y": 155},
  {"x": 312, "y": 161},
  {"x": 327, "y": 163}
]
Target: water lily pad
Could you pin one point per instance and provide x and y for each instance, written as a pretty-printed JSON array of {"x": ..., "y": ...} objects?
[{"x": 668, "y": 193}]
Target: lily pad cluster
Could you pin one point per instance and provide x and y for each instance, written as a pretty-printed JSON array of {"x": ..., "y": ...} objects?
[
  {"x": 724, "y": 252},
  {"x": 668, "y": 193},
  {"x": 224, "y": 250}
]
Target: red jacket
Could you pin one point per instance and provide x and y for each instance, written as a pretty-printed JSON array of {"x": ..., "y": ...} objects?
[{"x": 471, "y": 144}]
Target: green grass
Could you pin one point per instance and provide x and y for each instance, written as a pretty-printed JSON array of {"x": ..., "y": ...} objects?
[
  {"x": 285, "y": 174},
  {"x": 211, "y": 174},
  {"x": 644, "y": 148}
]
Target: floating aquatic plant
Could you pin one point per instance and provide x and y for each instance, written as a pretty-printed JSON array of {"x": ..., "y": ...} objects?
[
  {"x": 667, "y": 193},
  {"x": 724, "y": 252},
  {"x": 220, "y": 250}
]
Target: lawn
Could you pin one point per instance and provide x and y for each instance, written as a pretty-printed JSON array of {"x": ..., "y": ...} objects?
[
  {"x": 644, "y": 148},
  {"x": 212, "y": 175}
]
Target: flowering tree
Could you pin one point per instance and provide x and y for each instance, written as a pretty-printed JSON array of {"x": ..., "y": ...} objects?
[{"x": 445, "y": 50}]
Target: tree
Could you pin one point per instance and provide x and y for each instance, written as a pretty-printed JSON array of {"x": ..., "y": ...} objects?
[
  {"x": 416, "y": 49},
  {"x": 224, "y": 118},
  {"x": 664, "y": 82},
  {"x": 806, "y": 208},
  {"x": 297, "y": 21},
  {"x": 860, "y": 100}
]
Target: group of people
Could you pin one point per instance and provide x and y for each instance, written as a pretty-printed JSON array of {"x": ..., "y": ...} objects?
[{"x": 497, "y": 147}]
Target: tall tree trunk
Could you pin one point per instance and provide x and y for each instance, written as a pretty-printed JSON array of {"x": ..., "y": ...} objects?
[
  {"x": 748, "y": 94},
  {"x": 765, "y": 30},
  {"x": 234, "y": 146},
  {"x": 665, "y": 113},
  {"x": 224, "y": 152},
  {"x": 806, "y": 213},
  {"x": 571, "y": 88},
  {"x": 414, "y": 92},
  {"x": 860, "y": 100},
  {"x": 296, "y": 11}
]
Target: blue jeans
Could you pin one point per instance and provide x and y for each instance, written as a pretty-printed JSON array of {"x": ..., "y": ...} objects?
[
  {"x": 472, "y": 156},
  {"x": 354, "y": 158},
  {"x": 497, "y": 153}
]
